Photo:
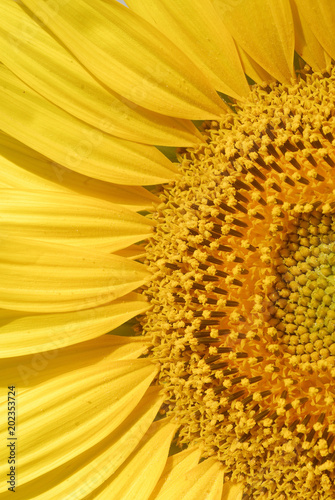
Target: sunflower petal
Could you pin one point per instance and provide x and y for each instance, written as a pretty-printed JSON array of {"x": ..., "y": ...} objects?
[
  {"x": 131, "y": 57},
  {"x": 202, "y": 482},
  {"x": 321, "y": 17},
  {"x": 70, "y": 219},
  {"x": 30, "y": 52},
  {"x": 36, "y": 276},
  {"x": 252, "y": 69},
  {"x": 177, "y": 466},
  {"x": 24, "y": 168},
  {"x": 33, "y": 370},
  {"x": 133, "y": 252},
  {"x": 264, "y": 29},
  {"x": 41, "y": 125},
  {"x": 196, "y": 28},
  {"x": 80, "y": 476},
  {"x": 78, "y": 406},
  {"x": 22, "y": 334},
  {"x": 138, "y": 475},
  {"x": 232, "y": 491},
  {"x": 306, "y": 44}
]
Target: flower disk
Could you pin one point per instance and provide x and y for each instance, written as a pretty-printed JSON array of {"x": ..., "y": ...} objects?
[{"x": 243, "y": 314}]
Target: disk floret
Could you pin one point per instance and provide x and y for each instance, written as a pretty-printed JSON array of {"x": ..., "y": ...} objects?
[
  {"x": 304, "y": 296},
  {"x": 243, "y": 308}
]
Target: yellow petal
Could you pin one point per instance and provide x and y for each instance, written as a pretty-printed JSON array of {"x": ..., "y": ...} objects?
[
  {"x": 70, "y": 219},
  {"x": 320, "y": 16},
  {"x": 36, "y": 276},
  {"x": 264, "y": 29},
  {"x": 328, "y": 59},
  {"x": 252, "y": 69},
  {"x": 78, "y": 405},
  {"x": 202, "y": 482},
  {"x": 232, "y": 491},
  {"x": 306, "y": 44},
  {"x": 133, "y": 252},
  {"x": 82, "y": 475},
  {"x": 137, "y": 477},
  {"x": 177, "y": 466},
  {"x": 33, "y": 370},
  {"x": 22, "y": 334},
  {"x": 41, "y": 125},
  {"x": 197, "y": 30},
  {"x": 131, "y": 57},
  {"x": 36, "y": 58},
  {"x": 24, "y": 168}
]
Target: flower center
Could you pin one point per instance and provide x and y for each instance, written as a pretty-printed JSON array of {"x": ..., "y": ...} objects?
[
  {"x": 304, "y": 295},
  {"x": 242, "y": 292}
]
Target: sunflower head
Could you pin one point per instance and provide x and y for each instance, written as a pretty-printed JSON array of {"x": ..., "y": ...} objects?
[
  {"x": 242, "y": 313},
  {"x": 228, "y": 259}
]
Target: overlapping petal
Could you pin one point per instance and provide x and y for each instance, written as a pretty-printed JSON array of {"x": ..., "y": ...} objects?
[
  {"x": 41, "y": 125},
  {"x": 131, "y": 57},
  {"x": 177, "y": 466},
  {"x": 44, "y": 277},
  {"x": 264, "y": 29},
  {"x": 80, "y": 476},
  {"x": 33, "y": 370},
  {"x": 252, "y": 69},
  {"x": 306, "y": 43},
  {"x": 202, "y": 482},
  {"x": 70, "y": 219},
  {"x": 196, "y": 28},
  {"x": 183, "y": 477},
  {"x": 22, "y": 333},
  {"x": 232, "y": 491},
  {"x": 320, "y": 17},
  {"x": 81, "y": 399},
  {"x": 138, "y": 475},
  {"x": 23, "y": 168},
  {"x": 133, "y": 252},
  {"x": 58, "y": 76}
]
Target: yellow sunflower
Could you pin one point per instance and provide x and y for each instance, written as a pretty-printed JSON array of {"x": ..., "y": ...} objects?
[{"x": 224, "y": 249}]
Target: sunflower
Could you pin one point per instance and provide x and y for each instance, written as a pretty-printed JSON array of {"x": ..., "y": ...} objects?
[{"x": 171, "y": 162}]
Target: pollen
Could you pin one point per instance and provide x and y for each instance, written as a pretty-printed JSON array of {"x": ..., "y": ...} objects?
[{"x": 243, "y": 291}]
